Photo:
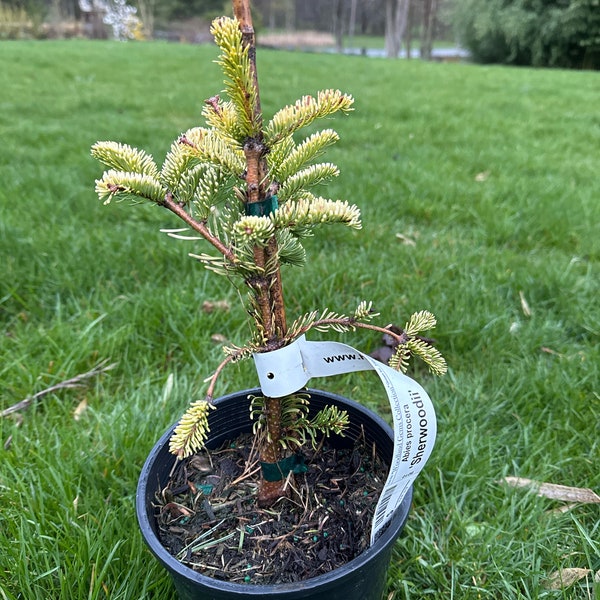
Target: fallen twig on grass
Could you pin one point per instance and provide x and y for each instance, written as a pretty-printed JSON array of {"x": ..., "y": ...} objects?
[
  {"x": 554, "y": 491},
  {"x": 74, "y": 382}
]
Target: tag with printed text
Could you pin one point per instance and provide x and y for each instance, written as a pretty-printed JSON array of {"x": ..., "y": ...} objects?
[{"x": 287, "y": 370}]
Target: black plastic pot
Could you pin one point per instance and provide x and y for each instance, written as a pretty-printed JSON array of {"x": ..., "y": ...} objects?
[{"x": 363, "y": 578}]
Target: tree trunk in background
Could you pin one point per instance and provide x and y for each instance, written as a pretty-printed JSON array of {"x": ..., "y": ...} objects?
[
  {"x": 352, "y": 22},
  {"x": 409, "y": 25},
  {"x": 271, "y": 19},
  {"x": 390, "y": 43},
  {"x": 402, "y": 7},
  {"x": 290, "y": 15},
  {"x": 396, "y": 15},
  {"x": 430, "y": 9},
  {"x": 338, "y": 24},
  {"x": 146, "y": 14}
]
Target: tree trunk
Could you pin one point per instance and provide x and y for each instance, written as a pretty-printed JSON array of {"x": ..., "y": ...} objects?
[
  {"x": 430, "y": 9},
  {"x": 409, "y": 25},
  {"x": 352, "y": 21},
  {"x": 290, "y": 15},
  {"x": 146, "y": 8},
  {"x": 396, "y": 15},
  {"x": 401, "y": 20},
  {"x": 267, "y": 289},
  {"x": 338, "y": 24},
  {"x": 390, "y": 35}
]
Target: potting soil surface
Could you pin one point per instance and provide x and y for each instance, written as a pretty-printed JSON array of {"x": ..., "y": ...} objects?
[{"x": 210, "y": 520}]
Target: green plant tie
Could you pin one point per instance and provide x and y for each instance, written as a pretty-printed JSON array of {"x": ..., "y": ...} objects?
[
  {"x": 263, "y": 208},
  {"x": 279, "y": 470}
]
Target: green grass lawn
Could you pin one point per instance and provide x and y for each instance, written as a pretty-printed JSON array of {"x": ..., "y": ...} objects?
[{"x": 481, "y": 202}]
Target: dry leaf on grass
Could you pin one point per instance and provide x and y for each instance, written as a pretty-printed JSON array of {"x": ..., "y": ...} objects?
[
  {"x": 218, "y": 338},
  {"x": 406, "y": 240},
  {"x": 209, "y": 306},
  {"x": 524, "y": 305},
  {"x": 565, "y": 577},
  {"x": 550, "y": 351},
  {"x": 555, "y": 491},
  {"x": 81, "y": 408}
]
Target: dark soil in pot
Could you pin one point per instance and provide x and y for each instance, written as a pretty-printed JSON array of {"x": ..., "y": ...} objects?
[
  {"x": 319, "y": 522},
  {"x": 208, "y": 517}
]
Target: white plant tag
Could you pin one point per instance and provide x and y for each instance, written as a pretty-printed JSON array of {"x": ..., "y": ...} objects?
[{"x": 287, "y": 370}]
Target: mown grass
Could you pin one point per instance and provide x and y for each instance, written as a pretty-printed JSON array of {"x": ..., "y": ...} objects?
[{"x": 490, "y": 174}]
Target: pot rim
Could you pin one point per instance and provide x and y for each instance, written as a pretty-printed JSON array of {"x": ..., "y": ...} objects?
[{"x": 171, "y": 563}]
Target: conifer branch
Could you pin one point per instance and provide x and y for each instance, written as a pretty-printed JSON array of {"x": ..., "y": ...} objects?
[
  {"x": 201, "y": 228},
  {"x": 294, "y": 158},
  {"x": 292, "y": 118},
  {"x": 133, "y": 186},
  {"x": 238, "y": 62},
  {"x": 192, "y": 430},
  {"x": 309, "y": 211},
  {"x": 305, "y": 178},
  {"x": 122, "y": 157}
]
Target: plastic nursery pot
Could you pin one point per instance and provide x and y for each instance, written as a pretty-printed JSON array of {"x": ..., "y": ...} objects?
[{"x": 362, "y": 578}]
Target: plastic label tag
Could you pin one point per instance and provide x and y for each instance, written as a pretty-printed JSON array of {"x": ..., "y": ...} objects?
[{"x": 287, "y": 370}]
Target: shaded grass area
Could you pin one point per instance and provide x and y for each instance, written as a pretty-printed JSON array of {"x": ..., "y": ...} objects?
[{"x": 489, "y": 175}]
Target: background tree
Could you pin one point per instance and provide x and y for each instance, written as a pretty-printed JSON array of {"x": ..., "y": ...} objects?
[
  {"x": 430, "y": 11},
  {"x": 540, "y": 33},
  {"x": 396, "y": 18},
  {"x": 147, "y": 11}
]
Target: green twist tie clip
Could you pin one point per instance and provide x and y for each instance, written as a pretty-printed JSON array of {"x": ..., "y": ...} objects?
[
  {"x": 279, "y": 470},
  {"x": 263, "y": 208}
]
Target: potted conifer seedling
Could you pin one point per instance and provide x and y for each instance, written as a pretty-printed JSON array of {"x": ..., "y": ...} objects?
[{"x": 280, "y": 491}]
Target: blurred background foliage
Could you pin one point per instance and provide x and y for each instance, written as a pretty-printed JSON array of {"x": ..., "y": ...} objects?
[{"x": 539, "y": 33}]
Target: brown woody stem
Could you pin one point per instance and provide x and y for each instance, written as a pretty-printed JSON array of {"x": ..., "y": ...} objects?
[
  {"x": 267, "y": 288},
  {"x": 199, "y": 227}
]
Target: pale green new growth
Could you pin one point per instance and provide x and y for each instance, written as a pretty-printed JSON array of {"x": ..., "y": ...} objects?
[
  {"x": 213, "y": 148},
  {"x": 292, "y": 118},
  {"x": 122, "y": 157},
  {"x": 253, "y": 230},
  {"x": 364, "y": 311},
  {"x": 312, "y": 175},
  {"x": 429, "y": 354},
  {"x": 224, "y": 118},
  {"x": 129, "y": 186},
  {"x": 302, "y": 215},
  {"x": 419, "y": 322},
  {"x": 192, "y": 430},
  {"x": 235, "y": 63},
  {"x": 177, "y": 162},
  {"x": 287, "y": 159}
]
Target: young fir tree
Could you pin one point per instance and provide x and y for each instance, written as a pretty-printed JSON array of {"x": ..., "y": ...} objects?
[{"x": 244, "y": 186}]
